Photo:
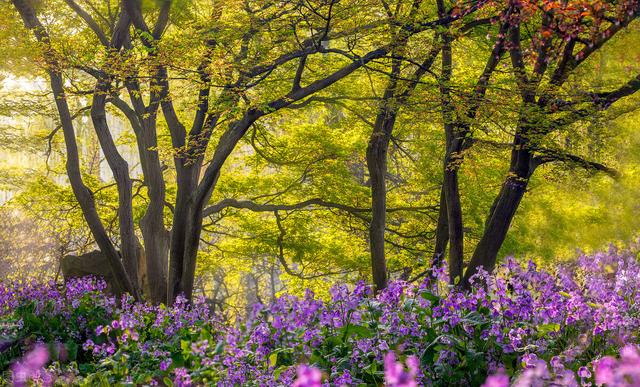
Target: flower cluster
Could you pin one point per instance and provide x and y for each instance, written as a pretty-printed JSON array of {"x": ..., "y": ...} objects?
[
  {"x": 522, "y": 325},
  {"x": 624, "y": 371}
]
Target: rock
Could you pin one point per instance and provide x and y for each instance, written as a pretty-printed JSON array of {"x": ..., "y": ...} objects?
[{"x": 94, "y": 263}]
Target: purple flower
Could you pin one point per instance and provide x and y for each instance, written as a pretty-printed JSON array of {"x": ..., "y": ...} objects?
[
  {"x": 530, "y": 360},
  {"x": 395, "y": 375},
  {"x": 556, "y": 364},
  {"x": 344, "y": 379},
  {"x": 165, "y": 364},
  {"x": 30, "y": 366},
  {"x": 182, "y": 377},
  {"x": 604, "y": 369},
  {"x": 307, "y": 376},
  {"x": 584, "y": 372},
  {"x": 499, "y": 379}
]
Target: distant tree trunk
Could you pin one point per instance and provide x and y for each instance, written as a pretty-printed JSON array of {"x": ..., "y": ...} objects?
[
  {"x": 377, "y": 155},
  {"x": 452, "y": 160}
]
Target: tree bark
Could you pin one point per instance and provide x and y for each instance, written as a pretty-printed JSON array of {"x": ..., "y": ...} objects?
[
  {"x": 186, "y": 185},
  {"x": 377, "y": 165},
  {"x": 442, "y": 233},
  {"x": 503, "y": 210},
  {"x": 154, "y": 233},
  {"x": 182, "y": 267},
  {"x": 454, "y": 222},
  {"x": 453, "y": 157},
  {"x": 120, "y": 170},
  {"x": 156, "y": 242}
]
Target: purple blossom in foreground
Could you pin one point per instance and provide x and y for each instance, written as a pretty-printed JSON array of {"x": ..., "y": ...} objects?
[
  {"x": 500, "y": 379},
  {"x": 31, "y": 368},
  {"x": 307, "y": 376},
  {"x": 621, "y": 372},
  {"x": 394, "y": 373}
]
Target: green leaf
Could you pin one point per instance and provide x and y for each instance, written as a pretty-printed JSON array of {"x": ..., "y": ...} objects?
[
  {"x": 357, "y": 330},
  {"x": 219, "y": 348},
  {"x": 185, "y": 346},
  {"x": 273, "y": 359},
  {"x": 430, "y": 297},
  {"x": 544, "y": 329}
]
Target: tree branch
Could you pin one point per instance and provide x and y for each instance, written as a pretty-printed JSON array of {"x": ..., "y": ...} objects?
[
  {"x": 257, "y": 207},
  {"x": 551, "y": 155},
  {"x": 90, "y": 22}
]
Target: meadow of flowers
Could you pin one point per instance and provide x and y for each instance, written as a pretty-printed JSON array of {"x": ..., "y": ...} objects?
[{"x": 574, "y": 325}]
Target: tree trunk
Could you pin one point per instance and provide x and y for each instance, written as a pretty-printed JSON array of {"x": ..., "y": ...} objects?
[
  {"x": 192, "y": 242},
  {"x": 185, "y": 235},
  {"x": 503, "y": 210},
  {"x": 442, "y": 233},
  {"x": 377, "y": 150},
  {"x": 154, "y": 233},
  {"x": 487, "y": 249},
  {"x": 156, "y": 243},
  {"x": 186, "y": 182},
  {"x": 454, "y": 221},
  {"x": 81, "y": 192},
  {"x": 453, "y": 156},
  {"x": 120, "y": 171},
  {"x": 377, "y": 153}
]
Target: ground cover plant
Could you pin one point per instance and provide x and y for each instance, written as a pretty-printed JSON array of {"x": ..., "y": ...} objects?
[{"x": 567, "y": 325}]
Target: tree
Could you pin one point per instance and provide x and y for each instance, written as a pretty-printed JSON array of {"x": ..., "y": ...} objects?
[
  {"x": 233, "y": 49},
  {"x": 401, "y": 84},
  {"x": 560, "y": 37}
]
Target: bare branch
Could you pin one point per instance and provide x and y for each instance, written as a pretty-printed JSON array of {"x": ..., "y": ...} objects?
[
  {"x": 90, "y": 21},
  {"x": 316, "y": 202}
]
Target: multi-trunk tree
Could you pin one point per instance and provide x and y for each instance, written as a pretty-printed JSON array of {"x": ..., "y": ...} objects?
[{"x": 133, "y": 64}]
